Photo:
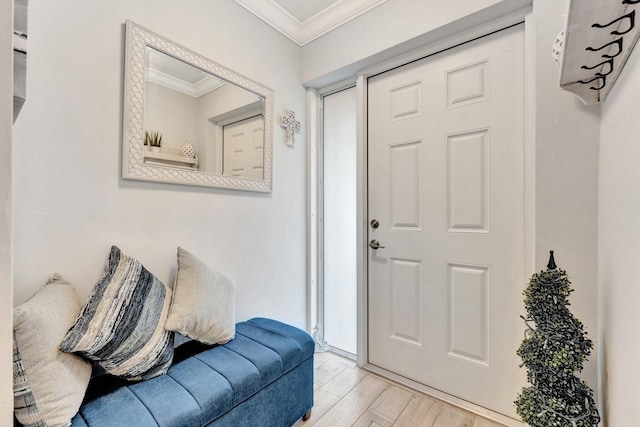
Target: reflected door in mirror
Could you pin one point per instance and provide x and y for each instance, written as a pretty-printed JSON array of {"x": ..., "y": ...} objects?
[{"x": 243, "y": 148}]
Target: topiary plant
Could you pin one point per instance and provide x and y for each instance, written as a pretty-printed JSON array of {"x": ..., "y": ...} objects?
[{"x": 555, "y": 347}]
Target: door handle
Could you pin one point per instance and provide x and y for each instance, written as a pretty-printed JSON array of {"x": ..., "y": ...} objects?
[{"x": 374, "y": 244}]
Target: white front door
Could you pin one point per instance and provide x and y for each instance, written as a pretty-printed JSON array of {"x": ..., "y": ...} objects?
[
  {"x": 446, "y": 186},
  {"x": 243, "y": 148}
]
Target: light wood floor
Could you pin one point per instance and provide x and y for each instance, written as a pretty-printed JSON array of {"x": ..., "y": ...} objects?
[{"x": 348, "y": 396}]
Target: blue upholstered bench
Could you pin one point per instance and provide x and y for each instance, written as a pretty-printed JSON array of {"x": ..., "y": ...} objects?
[{"x": 263, "y": 377}]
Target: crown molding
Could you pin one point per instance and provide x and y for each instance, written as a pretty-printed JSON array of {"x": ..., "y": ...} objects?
[
  {"x": 195, "y": 90},
  {"x": 339, "y": 13}
]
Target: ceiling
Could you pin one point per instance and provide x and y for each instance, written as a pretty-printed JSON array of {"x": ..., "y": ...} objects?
[
  {"x": 305, "y": 9},
  {"x": 305, "y": 20},
  {"x": 175, "y": 74}
]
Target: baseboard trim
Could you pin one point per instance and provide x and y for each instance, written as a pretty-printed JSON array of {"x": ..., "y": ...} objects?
[{"x": 440, "y": 395}]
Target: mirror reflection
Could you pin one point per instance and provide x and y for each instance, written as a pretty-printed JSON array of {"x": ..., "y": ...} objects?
[
  {"x": 197, "y": 121},
  {"x": 189, "y": 120}
]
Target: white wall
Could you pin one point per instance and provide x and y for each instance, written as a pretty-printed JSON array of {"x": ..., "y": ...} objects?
[
  {"x": 566, "y": 176},
  {"x": 619, "y": 245},
  {"x": 70, "y": 202},
  {"x": 6, "y": 120},
  {"x": 376, "y": 35}
]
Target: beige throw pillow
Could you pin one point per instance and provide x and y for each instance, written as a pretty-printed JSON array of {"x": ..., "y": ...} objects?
[
  {"x": 204, "y": 302},
  {"x": 48, "y": 385}
]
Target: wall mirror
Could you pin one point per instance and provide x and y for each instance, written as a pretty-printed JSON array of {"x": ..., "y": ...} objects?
[{"x": 188, "y": 120}]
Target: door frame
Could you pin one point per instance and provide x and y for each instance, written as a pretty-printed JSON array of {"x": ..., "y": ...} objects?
[
  {"x": 315, "y": 208},
  {"x": 463, "y": 35}
]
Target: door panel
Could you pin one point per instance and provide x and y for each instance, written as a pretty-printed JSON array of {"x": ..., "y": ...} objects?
[
  {"x": 446, "y": 183},
  {"x": 405, "y": 169},
  {"x": 468, "y": 312},
  {"x": 406, "y": 304},
  {"x": 468, "y": 181}
]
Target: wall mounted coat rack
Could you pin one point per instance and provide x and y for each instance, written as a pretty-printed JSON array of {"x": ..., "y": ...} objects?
[{"x": 599, "y": 38}]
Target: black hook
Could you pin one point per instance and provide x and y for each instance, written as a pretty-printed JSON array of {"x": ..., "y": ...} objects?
[
  {"x": 604, "y": 82},
  {"x": 632, "y": 23},
  {"x": 601, "y": 74},
  {"x": 618, "y": 42}
]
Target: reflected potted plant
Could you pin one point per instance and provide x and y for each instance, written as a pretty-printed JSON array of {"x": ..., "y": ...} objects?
[{"x": 153, "y": 141}]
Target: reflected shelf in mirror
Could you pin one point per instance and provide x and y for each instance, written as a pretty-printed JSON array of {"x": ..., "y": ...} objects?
[{"x": 170, "y": 160}]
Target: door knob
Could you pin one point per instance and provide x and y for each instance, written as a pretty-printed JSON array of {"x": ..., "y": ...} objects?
[
  {"x": 375, "y": 223},
  {"x": 374, "y": 244}
]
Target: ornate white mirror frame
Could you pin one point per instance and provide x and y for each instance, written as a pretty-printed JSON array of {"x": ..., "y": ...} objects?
[{"x": 138, "y": 39}]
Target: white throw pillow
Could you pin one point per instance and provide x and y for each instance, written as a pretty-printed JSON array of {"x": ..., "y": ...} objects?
[
  {"x": 48, "y": 385},
  {"x": 204, "y": 302}
]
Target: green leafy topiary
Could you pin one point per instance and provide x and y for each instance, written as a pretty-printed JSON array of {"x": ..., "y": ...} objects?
[{"x": 554, "y": 349}]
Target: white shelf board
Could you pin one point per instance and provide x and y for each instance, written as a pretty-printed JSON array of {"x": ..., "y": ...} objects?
[{"x": 164, "y": 159}]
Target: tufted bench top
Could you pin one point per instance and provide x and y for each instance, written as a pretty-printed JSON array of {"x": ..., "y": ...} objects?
[{"x": 204, "y": 381}]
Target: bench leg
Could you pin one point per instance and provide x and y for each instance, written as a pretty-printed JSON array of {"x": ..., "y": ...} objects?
[{"x": 306, "y": 415}]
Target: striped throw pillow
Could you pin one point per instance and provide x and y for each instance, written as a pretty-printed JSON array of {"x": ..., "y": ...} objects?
[{"x": 121, "y": 326}]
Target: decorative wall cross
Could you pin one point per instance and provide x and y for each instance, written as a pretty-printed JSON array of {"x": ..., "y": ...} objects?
[{"x": 291, "y": 125}]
